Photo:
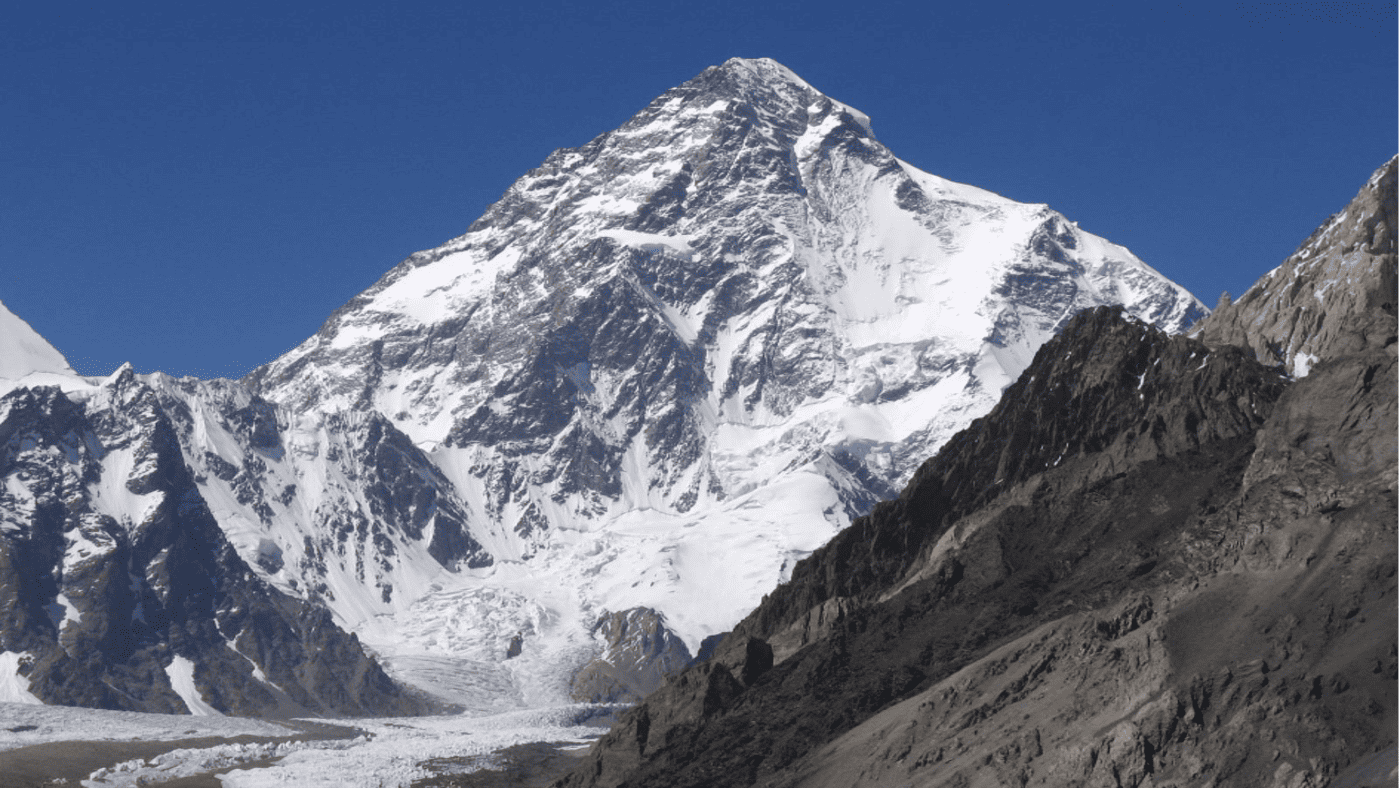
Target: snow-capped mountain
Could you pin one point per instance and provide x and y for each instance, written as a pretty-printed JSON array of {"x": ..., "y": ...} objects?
[
  {"x": 1157, "y": 561},
  {"x": 660, "y": 370},
  {"x": 667, "y": 364}
]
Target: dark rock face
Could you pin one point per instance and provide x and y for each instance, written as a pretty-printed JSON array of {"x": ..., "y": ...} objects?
[
  {"x": 672, "y": 714},
  {"x": 112, "y": 568},
  {"x": 1156, "y": 562},
  {"x": 1079, "y": 402}
]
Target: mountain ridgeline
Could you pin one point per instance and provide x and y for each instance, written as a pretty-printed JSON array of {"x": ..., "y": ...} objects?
[
  {"x": 680, "y": 367},
  {"x": 121, "y": 591},
  {"x": 500, "y": 473},
  {"x": 1159, "y": 560}
]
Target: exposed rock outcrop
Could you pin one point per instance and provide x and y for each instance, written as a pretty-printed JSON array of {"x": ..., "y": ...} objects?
[
  {"x": 1332, "y": 297},
  {"x": 638, "y": 653}
]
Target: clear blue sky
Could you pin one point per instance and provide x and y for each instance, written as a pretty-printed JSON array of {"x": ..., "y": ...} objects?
[{"x": 194, "y": 187}]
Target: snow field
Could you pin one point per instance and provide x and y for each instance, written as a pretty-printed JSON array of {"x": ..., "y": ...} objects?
[
  {"x": 24, "y": 723},
  {"x": 395, "y": 751},
  {"x": 23, "y": 351},
  {"x": 111, "y": 496},
  {"x": 181, "y": 674},
  {"x": 14, "y": 688},
  {"x": 391, "y": 751}
]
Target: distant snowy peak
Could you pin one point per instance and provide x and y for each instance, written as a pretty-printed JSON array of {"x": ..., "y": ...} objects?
[
  {"x": 135, "y": 598},
  {"x": 1335, "y": 295},
  {"x": 23, "y": 351}
]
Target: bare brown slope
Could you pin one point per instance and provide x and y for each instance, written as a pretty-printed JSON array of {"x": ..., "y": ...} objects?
[{"x": 1261, "y": 653}]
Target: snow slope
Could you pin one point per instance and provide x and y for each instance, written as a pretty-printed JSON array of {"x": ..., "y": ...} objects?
[{"x": 23, "y": 352}]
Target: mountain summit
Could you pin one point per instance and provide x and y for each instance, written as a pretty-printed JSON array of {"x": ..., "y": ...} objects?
[
  {"x": 738, "y": 319},
  {"x": 660, "y": 370}
]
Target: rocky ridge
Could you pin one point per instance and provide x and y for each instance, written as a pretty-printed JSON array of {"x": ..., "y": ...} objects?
[
  {"x": 1157, "y": 561},
  {"x": 1308, "y": 308},
  {"x": 119, "y": 589},
  {"x": 639, "y": 653}
]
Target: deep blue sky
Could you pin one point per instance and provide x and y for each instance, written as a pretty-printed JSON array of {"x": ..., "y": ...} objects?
[{"x": 195, "y": 189}]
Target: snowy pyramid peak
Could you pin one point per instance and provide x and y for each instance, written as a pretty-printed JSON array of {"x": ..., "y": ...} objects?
[
  {"x": 736, "y": 320},
  {"x": 753, "y": 73},
  {"x": 776, "y": 76},
  {"x": 23, "y": 351}
]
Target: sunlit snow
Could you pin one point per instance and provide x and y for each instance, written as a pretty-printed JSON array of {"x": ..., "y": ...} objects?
[
  {"x": 14, "y": 688},
  {"x": 23, "y": 351}
]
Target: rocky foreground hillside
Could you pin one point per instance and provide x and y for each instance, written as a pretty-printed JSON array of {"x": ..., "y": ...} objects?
[{"x": 1158, "y": 561}]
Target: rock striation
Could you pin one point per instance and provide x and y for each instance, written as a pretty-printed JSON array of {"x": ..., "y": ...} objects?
[{"x": 1158, "y": 561}]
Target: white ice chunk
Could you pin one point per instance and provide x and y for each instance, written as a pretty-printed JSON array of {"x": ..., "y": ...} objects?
[{"x": 1303, "y": 364}]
